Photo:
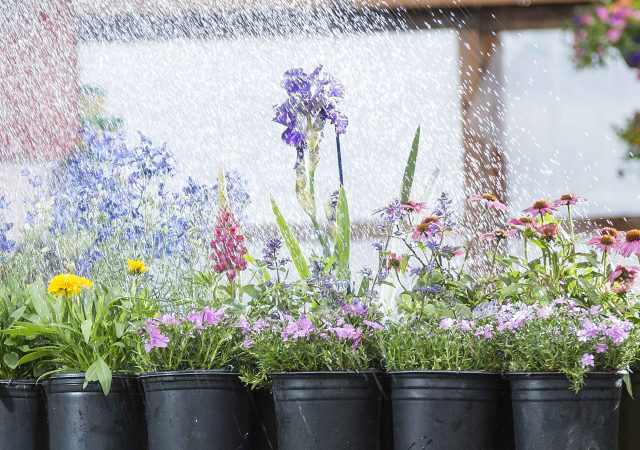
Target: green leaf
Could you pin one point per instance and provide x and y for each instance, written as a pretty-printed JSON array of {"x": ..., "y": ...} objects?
[
  {"x": 627, "y": 382},
  {"x": 11, "y": 359},
  {"x": 85, "y": 326},
  {"x": 36, "y": 354},
  {"x": 407, "y": 179},
  {"x": 17, "y": 314},
  {"x": 223, "y": 198},
  {"x": 431, "y": 184},
  {"x": 292, "y": 244},
  {"x": 120, "y": 328},
  {"x": 99, "y": 371},
  {"x": 39, "y": 301},
  {"x": 343, "y": 233}
]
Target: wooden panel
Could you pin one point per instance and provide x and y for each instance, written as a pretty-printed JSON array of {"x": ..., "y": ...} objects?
[{"x": 38, "y": 79}]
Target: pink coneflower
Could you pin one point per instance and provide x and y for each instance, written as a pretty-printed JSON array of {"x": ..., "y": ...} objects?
[
  {"x": 540, "y": 207},
  {"x": 427, "y": 227},
  {"x": 623, "y": 278},
  {"x": 499, "y": 234},
  {"x": 414, "y": 207},
  {"x": 604, "y": 242},
  {"x": 548, "y": 230},
  {"x": 394, "y": 262},
  {"x": 566, "y": 200},
  {"x": 525, "y": 221},
  {"x": 488, "y": 200},
  {"x": 228, "y": 245},
  {"x": 631, "y": 244}
]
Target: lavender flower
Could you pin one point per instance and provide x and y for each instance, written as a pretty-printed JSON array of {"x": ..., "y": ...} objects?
[{"x": 270, "y": 253}]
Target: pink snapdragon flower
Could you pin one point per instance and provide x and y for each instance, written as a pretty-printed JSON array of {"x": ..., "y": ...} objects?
[
  {"x": 489, "y": 201},
  {"x": 228, "y": 245}
]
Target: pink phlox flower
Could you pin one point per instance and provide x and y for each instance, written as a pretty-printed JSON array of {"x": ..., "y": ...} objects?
[
  {"x": 601, "y": 348},
  {"x": 372, "y": 325},
  {"x": 212, "y": 316},
  {"x": 485, "y": 332},
  {"x": 446, "y": 323},
  {"x": 587, "y": 360},
  {"x": 156, "y": 339}
]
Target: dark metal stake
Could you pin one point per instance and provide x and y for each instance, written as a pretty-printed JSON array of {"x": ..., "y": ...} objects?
[{"x": 339, "y": 159}]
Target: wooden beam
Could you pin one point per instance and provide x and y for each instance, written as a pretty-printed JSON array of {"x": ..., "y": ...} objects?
[{"x": 151, "y": 24}]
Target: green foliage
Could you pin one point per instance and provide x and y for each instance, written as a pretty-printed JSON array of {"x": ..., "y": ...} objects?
[
  {"x": 413, "y": 344},
  {"x": 410, "y": 168},
  {"x": 551, "y": 344},
  {"x": 291, "y": 242},
  {"x": 88, "y": 333},
  {"x": 191, "y": 345},
  {"x": 343, "y": 235}
]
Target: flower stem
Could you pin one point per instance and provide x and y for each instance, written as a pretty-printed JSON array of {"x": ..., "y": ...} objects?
[{"x": 339, "y": 159}]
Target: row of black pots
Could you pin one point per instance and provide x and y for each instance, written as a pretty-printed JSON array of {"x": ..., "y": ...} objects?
[{"x": 213, "y": 410}]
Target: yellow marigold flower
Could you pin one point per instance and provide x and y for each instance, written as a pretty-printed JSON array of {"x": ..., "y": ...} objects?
[
  {"x": 136, "y": 267},
  {"x": 68, "y": 284}
]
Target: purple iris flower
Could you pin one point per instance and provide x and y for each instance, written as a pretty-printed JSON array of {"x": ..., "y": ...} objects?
[{"x": 312, "y": 101}]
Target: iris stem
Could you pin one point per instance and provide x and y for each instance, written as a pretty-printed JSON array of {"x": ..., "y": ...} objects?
[{"x": 339, "y": 159}]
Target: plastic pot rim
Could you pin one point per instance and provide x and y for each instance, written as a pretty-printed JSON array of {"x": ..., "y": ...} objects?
[{"x": 188, "y": 372}]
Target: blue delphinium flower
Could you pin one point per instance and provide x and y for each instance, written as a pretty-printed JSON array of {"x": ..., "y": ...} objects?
[
  {"x": 6, "y": 245},
  {"x": 117, "y": 198}
]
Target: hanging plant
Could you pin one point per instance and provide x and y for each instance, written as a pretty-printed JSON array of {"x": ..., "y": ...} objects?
[
  {"x": 630, "y": 134},
  {"x": 608, "y": 30}
]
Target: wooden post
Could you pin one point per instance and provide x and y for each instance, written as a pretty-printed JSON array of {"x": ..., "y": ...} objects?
[
  {"x": 38, "y": 79},
  {"x": 484, "y": 162}
]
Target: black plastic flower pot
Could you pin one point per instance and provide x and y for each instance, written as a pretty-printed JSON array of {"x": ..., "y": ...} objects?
[
  {"x": 23, "y": 416},
  {"x": 86, "y": 419},
  {"x": 383, "y": 379},
  {"x": 505, "y": 439},
  {"x": 263, "y": 423},
  {"x": 327, "y": 410},
  {"x": 629, "y": 435},
  {"x": 444, "y": 410},
  {"x": 547, "y": 413},
  {"x": 200, "y": 409}
]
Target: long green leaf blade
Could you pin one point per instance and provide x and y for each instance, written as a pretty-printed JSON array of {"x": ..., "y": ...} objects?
[
  {"x": 292, "y": 244},
  {"x": 343, "y": 233},
  {"x": 410, "y": 169}
]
